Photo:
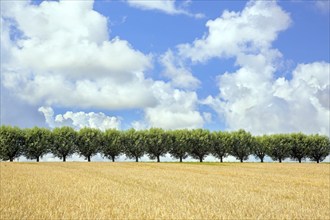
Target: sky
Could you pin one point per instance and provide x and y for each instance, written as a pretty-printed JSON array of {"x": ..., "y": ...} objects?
[{"x": 262, "y": 66}]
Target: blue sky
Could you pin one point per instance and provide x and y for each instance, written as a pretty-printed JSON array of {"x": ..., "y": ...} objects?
[{"x": 222, "y": 65}]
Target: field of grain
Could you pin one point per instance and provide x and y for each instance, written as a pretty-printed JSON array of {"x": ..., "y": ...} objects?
[{"x": 164, "y": 191}]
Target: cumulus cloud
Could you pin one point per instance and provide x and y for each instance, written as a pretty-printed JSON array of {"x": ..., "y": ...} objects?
[
  {"x": 80, "y": 120},
  {"x": 239, "y": 32},
  {"x": 175, "y": 70},
  {"x": 274, "y": 106},
  {"x": 62, "y": 55},
  {"x": 176, "y": 109},
  {"x": 252, "y": 97},
  {"x": 166, "y": 6}
]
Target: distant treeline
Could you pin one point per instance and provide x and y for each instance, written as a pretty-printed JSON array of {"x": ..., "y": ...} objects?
[{"x": 62, "y": 142}]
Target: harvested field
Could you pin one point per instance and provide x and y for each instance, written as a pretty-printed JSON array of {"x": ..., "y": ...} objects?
[{"x": 125, "y": 190}]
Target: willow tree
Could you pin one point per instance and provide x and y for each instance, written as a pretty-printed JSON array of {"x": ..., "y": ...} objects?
[
  {"x": 112, "y": 144},
  {"x": 89, "y": 142},
  {"x": 279, "y": 146},
  {"x": 158, "y": 142},
  {"x": 319, "y": 147},
  {"x": 241, "y": 144},
  {"x": 200, "y": 143},
  {"x": 180, "y": 147},
  {"x": 221, "y": 143},
  {"x": 12, "y": 142},
  {"x": 299, "y": 146},
  {"x": 260, "y": 147},
  {"x": 64, "y": 142},
  {"x": 135, "y": 144},
  {"x": 38, "y": 143}
]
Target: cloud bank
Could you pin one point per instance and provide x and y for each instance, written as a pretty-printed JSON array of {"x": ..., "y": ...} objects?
[
  {"x": 80, "y": 120},
  {"x": 252, "y": 97},
  {"x": 61, "y": 54}
]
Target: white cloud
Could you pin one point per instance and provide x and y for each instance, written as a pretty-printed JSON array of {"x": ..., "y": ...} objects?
[
  {"x": 99, "y": 93},
  {"x": 239, "y": 32},
  {"x": 176, "y": 109},
  {"x": 166, "y": 6},
  {"x": 62, "y": 56},
  {"x": 251, "y": 97},
  {"x": 180, "y": 76},
  {"x": 80, "y": 120},
  {"x": 274, "y": 106}
]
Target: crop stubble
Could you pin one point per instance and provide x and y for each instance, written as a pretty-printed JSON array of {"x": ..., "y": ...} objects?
[{"x": 77, "y": 190}]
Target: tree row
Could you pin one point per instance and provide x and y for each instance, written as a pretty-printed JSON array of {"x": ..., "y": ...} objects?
[{"x": 63, "y": 142}]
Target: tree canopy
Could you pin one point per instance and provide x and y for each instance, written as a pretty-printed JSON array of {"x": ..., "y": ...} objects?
[{"x": 63, "y": 142}]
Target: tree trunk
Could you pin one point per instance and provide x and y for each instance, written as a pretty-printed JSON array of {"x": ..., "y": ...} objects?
[
  {"x": 158, "y": 159},
  {"x": 317, "y": 161},
  {"x": 180, "y": 159},
  {"x": 280, "y": 160},
  {"x": 89, "y": 158},
  {"x": 241, "y": 160},
  {"x": 261, "y": 159},
  {"x": 201, "y": 159},
  {"x": 136, "y": 159},
  {"x": 299, "y": 159},
  {"x": 113, "y": 158},
  {"x": 37, "y": 159},
  {"x": 221, "y": 159},
  {"x": 11, "y": 159},
  {"x": 64, "y": 158}
]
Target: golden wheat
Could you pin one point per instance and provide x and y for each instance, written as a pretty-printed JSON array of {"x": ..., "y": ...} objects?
[{"x": 164, "y": 191}]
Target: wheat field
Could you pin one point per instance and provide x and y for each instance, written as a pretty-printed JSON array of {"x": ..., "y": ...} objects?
[{"x": 79, "y": 190}]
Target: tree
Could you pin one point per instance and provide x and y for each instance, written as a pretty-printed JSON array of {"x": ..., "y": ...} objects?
[
  {"x": 241, "y": 145},
  {"x": 221, "y": 144},
  {"x": 259, "y": 147},
  {"x": 179, "y": 148},
  {"x": 135, "y": 144},
  {"x": 89, "y": 142},
  {"x": 157, "y": 143},
  {"x": 319, "y": 147},
  {"x": 64, "y": 142},
  {"x": 299, "y": 146},
  {"x": 12, "y": 141},
  {"x": 38, "y": 143},
  {"x": 279, "y": 146},
  {"x": 199, "y": 143},
  {"x": 112, "y": 144}
]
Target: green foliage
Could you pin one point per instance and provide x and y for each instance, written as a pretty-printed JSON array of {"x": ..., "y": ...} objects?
[
  {"x": 38, "y": 143},
  {"x": 112, "y": 144},
  {"x": 260, "y": 147},
  {"x": 135, "y": 144},
  {"x": 179, "y": 148},
  {"x": 89, "y": 142},
  {"x": 299, "y": 146},
  {"x": 279, "y": 146},
  {"x": 241, "y": 144},
  {"x": 200, "y": 143},
  {"x": 157, "y": 143},
  {"x": 319, "y": 147},
  {"x": 222, "y": 142},
  {"x": 12, "y": 142},
  {"x": 64, "y": 142}
]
